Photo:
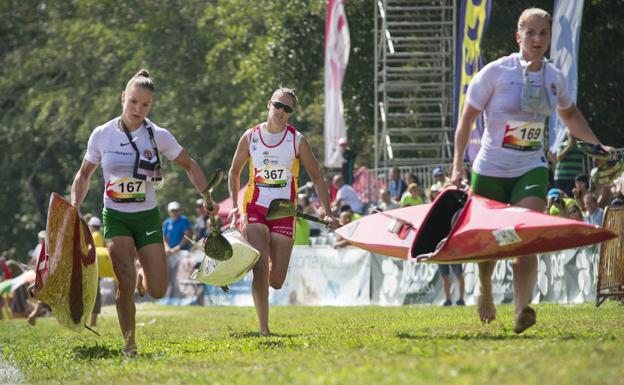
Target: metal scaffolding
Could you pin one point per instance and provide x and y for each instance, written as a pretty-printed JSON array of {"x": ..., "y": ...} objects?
[{"x": 414, "y": 61}]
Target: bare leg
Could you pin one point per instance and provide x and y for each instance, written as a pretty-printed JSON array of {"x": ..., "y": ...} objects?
[
  {"x": 485, "y": 302},
  {"x": 122, "y": 254},
  {"x": 461, "y": 284},
  {"x": 32, "y": 317},
  {"x": 446, "y": 283},
  {"x": 258, "y": 236},
  {"x": 280, "y": 251},
  {"x": 154, "y": 269},
  {"x": 525, "y": 276}
]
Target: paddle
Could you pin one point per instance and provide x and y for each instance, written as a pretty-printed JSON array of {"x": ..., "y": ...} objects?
[
  {"x": 211, "y": 266},
  {"x": 282, "y": 208},
  {"x": 216, "y": 245}
]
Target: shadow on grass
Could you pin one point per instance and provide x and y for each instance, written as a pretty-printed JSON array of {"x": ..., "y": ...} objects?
[
  {"x": 492, "y": 336},
  {"x": 243, "y": 335},
  {"x": 90, "y": 352}
]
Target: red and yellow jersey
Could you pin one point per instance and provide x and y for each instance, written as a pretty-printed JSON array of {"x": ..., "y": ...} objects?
[{"x": 273, "y": 165}]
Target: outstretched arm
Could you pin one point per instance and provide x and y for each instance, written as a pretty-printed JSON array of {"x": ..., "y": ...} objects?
[
  {"x": 462, "y": 134},
  {"x": 195, "y": 174},
  {"x": 80, "y": 186},
  {"x": 238, "y": 162},
  {"x": 193, "y": 171}
]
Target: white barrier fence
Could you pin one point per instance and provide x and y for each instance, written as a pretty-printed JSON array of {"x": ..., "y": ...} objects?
[{"x": 323, "y": 276}]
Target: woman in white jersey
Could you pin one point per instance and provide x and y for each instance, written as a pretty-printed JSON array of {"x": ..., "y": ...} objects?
[
  {"x": 516, "y": 93},
  {"x": 274, "y": 149},
  {"x": 129, "y": 148}
]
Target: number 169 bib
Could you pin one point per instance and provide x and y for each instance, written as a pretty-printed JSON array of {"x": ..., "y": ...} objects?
[{"x": 523, "y": 136}]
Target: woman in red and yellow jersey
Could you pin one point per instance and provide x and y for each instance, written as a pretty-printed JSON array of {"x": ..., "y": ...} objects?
[{"x": 274, "y": 150}]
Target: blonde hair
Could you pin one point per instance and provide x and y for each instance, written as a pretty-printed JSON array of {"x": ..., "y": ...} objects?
[
  {"x": 533, "y": 12},
  {"x": 141, "y": 79},
  {"x": 286, "y": 91}
]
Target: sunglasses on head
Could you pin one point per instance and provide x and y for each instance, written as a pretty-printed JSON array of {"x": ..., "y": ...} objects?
[{"x": 282, "y": 106}]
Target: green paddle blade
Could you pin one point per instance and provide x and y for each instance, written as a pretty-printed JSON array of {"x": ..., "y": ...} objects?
[
  {"x": 217, "y": 247},
  {"x": 281, "y": 208}
]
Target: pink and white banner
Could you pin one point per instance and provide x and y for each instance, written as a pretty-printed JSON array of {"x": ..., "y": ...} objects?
[{"x": 337, "y": 45}]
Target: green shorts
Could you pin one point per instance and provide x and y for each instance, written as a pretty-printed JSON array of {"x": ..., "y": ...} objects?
[
  {"x": 143, "y": 226},
  {"x": 512, "y": 190}
]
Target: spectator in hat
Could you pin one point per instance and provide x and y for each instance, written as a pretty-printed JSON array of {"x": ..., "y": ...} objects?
[
  {"x": 348, "y": 160},
  {"x": 555, "y": 204},
  {"x": 201, "y": 228},
  {"x": 175, "y": 228},
  {"x": 439, "y": 177},
  {"x": 95, "y": 225},
  {"x": 434, "y": 191}
]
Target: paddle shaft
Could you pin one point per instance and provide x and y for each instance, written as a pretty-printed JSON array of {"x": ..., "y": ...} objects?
[
  {"x": 213, "y": 220},
  {"x": 311, "y": 218},
  {"x": 207, "y": 194}
]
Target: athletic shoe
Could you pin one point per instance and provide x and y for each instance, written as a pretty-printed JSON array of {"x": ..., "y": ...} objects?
[
  {"x": 460, "y": 302},
  {"x": 448, "y": 302}
]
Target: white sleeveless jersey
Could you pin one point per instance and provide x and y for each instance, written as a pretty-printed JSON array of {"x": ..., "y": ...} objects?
[
  {"x": 512, "y": 143},
  {"x": 109, "y": 145},
  {"x": 273, "y": 166}
]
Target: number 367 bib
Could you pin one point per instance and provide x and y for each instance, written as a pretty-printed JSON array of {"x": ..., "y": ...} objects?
[
  {"x": 523, "y": 136},
  {"x": 126, "y": 190},
  {"x": 271, "y": 176}
]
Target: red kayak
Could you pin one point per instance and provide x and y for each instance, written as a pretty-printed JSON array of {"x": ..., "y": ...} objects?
[
  {"x": 458, "y": 228},
  {"x": 389, "y": 233}
]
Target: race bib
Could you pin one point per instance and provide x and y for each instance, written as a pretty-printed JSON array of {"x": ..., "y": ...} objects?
[
  {"x": 272, "y": 176},
  {"x": 523, "y": 136},
  {"x": 126, "y": 190}
]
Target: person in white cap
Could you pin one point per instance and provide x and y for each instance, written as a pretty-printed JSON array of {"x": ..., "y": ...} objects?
[{"x": 175, "y": 228}]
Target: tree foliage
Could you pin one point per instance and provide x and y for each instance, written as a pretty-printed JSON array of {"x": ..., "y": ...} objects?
[{"x": 63, "y": 65}]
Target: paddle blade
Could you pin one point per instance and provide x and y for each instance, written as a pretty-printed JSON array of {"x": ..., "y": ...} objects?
[
  {"x": 281, "y": 208},
  {"x": 217, "y": 247}
]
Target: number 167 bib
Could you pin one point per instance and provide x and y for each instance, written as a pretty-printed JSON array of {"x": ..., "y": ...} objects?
[{"x": 126, "y": 190}]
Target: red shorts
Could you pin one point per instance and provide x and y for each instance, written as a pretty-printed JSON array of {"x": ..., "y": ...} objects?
[{"x": 257, "y": 214}]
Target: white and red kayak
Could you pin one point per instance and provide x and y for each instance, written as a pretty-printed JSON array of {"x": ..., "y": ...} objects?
[{"x": 458, "y": 228}]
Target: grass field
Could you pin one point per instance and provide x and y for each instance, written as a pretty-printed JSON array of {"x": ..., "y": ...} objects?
[{"x": 326, "y": 345}]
